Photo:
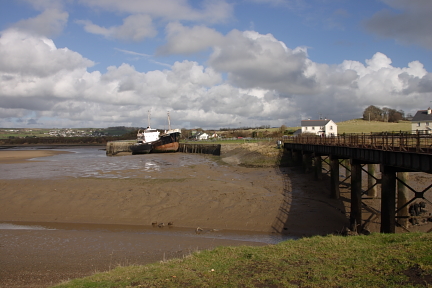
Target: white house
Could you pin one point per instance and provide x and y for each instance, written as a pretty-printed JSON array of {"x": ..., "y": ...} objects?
[
  {"x": 202, "y": 136},
  {"x": 422, "y": 120},
  {"x": 319, "y": 127}
]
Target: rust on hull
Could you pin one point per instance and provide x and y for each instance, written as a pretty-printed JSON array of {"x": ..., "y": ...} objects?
[{"x": 169, "y": 147}]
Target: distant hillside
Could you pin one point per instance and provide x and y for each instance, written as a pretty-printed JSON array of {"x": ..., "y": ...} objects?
[{"x": 363, "y": 126}]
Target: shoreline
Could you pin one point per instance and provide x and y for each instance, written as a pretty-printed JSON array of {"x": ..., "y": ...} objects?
[
  {"x": 22, "y": 156},
  {"x": 213, "y": 196}
]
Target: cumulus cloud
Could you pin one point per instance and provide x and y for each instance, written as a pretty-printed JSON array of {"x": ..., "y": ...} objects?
[
  {"x": 135, "y": 28},
  {"x": 255, "y": 60},
  {"x": 188, "y": 40},
  {"x": 409, "y": 24},
  {"x": 23, "y": 54},
  {"x": 49, "y": 23},
  {"x": 250, "y": 78}
]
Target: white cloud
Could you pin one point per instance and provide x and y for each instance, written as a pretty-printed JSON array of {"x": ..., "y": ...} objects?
[
  {"x": 409, "y": 25},
  {"x": 255, "y": 60},
  {"x": 135, "y": 28},
  {"x": 51, "y": 22},
  {"x": 22, "y": 55},
  {"x": 188, "y": 40},
  {"x": 267, "y": 84}
]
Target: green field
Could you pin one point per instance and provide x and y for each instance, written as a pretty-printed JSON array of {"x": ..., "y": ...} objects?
[
  {"x": 362, "y": 126},
  {"x": 377, "y": 260}
]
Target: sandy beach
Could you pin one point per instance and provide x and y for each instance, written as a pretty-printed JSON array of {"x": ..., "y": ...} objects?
[{"x": 214, "y": 196}]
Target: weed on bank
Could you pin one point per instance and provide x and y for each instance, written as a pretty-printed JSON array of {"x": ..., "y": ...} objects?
[{"x": 377, "y": 260}]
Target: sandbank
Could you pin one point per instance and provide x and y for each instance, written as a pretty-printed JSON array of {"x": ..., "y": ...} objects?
[{"x": 20, "y": 156}]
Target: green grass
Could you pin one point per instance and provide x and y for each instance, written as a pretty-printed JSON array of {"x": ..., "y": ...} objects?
[
  {"x": 377, "y": 260},
  {"x": 362, "y": 126}
]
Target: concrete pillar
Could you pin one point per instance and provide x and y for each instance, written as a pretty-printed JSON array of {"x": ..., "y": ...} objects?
[
  {"x": 347, "y": 163},
  {"x": 372, "y": 192},
  {"x": 356, "y": 194},
  {"x": 334, "y": 177},
  {"x": 388, "y": 199},
  {"x": 318, "y": 167},
  {"x": 402, "y": 198}
]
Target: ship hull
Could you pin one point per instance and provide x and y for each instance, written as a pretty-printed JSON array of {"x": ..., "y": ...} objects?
[
  {"x": 167, "y": 143},
  {"x": 143, "y": 148}
]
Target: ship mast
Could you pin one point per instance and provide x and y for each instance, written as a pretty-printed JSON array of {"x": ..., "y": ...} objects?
[
  {"x": 148, "y": 118},
  {"x": 169, "y": 121}
]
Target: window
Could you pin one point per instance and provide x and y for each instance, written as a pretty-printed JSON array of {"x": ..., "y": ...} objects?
[
  {"x": 427, "y": 123},
  {"x": 418, "y": 124},
  {"x": 331, "y": 127},
  {"x": 305, "y": 128},
  {"x": 313, "y": 128}
]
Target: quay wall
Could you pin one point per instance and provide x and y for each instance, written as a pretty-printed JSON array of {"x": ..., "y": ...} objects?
[
  {"x": 213, "y": 149},
  {"x": 115, "y": 147}
]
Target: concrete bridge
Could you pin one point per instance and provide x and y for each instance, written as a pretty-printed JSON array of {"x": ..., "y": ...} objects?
[{"x": 396, "y": 153}]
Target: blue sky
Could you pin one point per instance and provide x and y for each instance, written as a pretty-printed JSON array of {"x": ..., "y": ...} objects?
[{"x": 212, "y": 64}]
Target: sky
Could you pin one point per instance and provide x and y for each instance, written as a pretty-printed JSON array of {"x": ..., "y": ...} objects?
[{"x": 211, "y": 64}]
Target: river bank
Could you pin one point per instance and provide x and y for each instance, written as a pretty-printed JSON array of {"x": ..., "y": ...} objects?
[
  {"x": 135, "y": 191},
  {"x": 97, "y": 212}
]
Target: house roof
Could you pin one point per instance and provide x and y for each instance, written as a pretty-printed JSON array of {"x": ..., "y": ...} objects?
[
  {"x": 422, "y": 115},
  {"x": 314, "y": 122}
]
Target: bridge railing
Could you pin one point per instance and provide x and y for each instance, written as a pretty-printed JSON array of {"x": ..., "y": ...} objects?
[{"x": 387, "y": 141}]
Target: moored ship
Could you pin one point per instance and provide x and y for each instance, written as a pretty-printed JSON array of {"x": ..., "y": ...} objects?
[
  {"x": 150, "y": 141},
  {"x": 145, "y": 138},
  {"x": 168, "y": 142}
]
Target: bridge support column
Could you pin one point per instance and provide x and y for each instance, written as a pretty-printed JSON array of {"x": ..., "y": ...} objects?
[
  {"x": 334, "y": 177},
  {"x": 388, "y": 199},
  {"x": 348, "y": 168},
  {"x": 318, "y": 167},
  {"x": 402, "y": 198},
  {"x": 307, "y": 162},
  {"x": 356, "y": 194},
  {"x": 296, "y": 156},
  {"x": 373, "y": 191}
]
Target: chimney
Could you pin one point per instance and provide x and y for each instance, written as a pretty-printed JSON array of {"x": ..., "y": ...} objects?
[{"x": 429, "y": 111}]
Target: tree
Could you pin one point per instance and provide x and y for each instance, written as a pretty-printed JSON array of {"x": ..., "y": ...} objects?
[
  {"x": 394, "y": 116},
  {"x": 373, "y": 113}
]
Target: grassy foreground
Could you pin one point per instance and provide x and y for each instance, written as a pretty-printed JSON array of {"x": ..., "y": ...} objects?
[{"x": 377, "y": 260}]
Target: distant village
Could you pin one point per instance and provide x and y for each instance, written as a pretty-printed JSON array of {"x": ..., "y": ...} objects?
[{"x": 420, "y": 122}]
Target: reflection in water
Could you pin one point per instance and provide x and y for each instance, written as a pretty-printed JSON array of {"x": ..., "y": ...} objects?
[{"x": 92, "y": 162}]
